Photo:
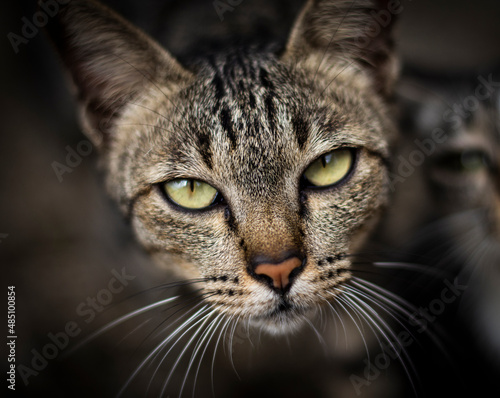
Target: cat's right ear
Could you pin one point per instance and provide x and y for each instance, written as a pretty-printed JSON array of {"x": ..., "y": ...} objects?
[
  {"x": 355, "y": 33},
  {"x": 110, "y": 62}
]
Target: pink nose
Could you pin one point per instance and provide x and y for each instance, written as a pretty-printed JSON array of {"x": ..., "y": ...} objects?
[{"x": 279, "y": 273}]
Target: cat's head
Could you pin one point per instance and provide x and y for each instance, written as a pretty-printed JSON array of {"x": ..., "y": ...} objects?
[
  {"x": 460, "y": 169},
  {"x": 451, "y": 125},
  {"x": 261, "y": 173}
]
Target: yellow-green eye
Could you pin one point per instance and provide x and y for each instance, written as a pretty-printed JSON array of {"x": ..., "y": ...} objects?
[
  {"x": 330, "y": 168},
  {"x": 189, "y": 193},
  {"x": 468, "y": 161}
]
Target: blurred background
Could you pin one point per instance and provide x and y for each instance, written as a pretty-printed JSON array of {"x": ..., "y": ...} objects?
[{"x": 61, "y": 238}]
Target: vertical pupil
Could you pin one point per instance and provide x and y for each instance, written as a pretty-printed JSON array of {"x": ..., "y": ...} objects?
[
  {"x": 191, "y": 185},
  {"x": 323, "y": 161}
]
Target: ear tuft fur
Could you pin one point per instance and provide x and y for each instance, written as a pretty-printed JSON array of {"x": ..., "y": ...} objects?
[{"x": 355, "y": 31}]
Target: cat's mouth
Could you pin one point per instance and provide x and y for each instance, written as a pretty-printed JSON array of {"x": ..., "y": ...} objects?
[{"x": 282, "y": 318}]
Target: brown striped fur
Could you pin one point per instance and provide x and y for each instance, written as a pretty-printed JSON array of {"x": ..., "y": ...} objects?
[{"x": 248, "y": 121}]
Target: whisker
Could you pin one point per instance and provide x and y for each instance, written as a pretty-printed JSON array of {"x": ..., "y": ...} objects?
[
  {"x": 160, "y": 346},
  {"x": 149, "y": 79},
  {"x": 318, "y": 335},
  {"x": 399, "y": 304},
  {"x": 335, "y": 78},
  {"x": 228, "y": 320},
  {"x": 221, "y": 319},
  {"x": 230, "y": 343},
  {"x": 385, "y": 329},
  {"x": 119, "y": 321},
  {"x": 159, "y": 114},
  {"x": 349, "y": 304},
  {"x": 390, "y": 311},
  {"x": 198, "y": 347},
  {"x": 203, "y": 321},
  {"x": 335, "y": 313},
  {"x": 183, "y": 306},
  {"x": 357, "y": 327},
  {"x": 134, "y": 330},
  {"x": 154, "y": 126},
  {"x": 183, "y": 315},
  {"x": 328, "y": 46},
  {"x": 366, "y": 285}
]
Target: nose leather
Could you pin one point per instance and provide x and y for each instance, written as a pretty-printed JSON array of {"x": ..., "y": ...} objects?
[{"x": 279, "y": 273}]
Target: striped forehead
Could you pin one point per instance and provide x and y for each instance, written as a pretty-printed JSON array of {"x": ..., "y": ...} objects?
[{"x": 252, "y": 120}]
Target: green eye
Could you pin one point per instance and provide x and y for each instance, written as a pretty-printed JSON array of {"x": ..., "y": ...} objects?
[
  {"x": 330, "y": 168},
  {"x": 189, "y": 193},
  {"x": 468, "y": 161}
]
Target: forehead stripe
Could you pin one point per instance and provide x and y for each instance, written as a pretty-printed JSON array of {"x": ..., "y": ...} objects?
[
  {"x": 299, "y": 126},
  {"x": 227, "y": 124}
]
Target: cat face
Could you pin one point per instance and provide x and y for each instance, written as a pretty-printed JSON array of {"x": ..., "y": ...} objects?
[
  {"x": 462, "y": 173},
  {"x": 460, "y": 183},
  {"x": 259, "y": 173}
]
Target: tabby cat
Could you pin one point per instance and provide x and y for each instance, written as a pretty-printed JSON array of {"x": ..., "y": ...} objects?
[
  {"x": 446, "y": 211},
  {"x": 255, "y": 171}
]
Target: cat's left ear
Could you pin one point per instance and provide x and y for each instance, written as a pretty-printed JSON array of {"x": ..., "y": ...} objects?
[
  {"x": 111, "y": 63},
  {"x": 349, "y": 32}
]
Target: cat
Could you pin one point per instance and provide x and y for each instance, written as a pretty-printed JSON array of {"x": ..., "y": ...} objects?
[
  {"x": 445, "y": 214},
  {"x": 253, "y": 172}
]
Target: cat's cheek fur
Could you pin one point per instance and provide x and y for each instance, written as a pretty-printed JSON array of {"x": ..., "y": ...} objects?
[{"x": 349, "y": 213}]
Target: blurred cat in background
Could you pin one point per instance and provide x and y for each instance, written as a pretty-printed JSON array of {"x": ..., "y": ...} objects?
[{"x": 446, "y": 211}]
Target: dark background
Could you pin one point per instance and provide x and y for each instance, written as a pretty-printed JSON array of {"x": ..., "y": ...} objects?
[{"x": 59, "y": 241}]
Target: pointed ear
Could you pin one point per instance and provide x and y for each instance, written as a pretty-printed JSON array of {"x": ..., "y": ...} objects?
[
  {"x": 352, "y": 31},
  {"x": 110, "y": 62}
]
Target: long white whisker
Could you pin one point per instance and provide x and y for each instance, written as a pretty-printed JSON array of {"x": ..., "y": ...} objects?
[
  {"x": 351, "y": 305},
  {"x": 318, "y": 335},
  {"x": 203, "y": 321},
  {"x": 159, "y": 347},
  {"x": 222, "y": 331},
  {"x": 196, "y": 321},
  {"x": 180, "y": 327},
  {"x": 387, "y": 309},
  {"x": 198, "y": 347},
  {"x": 409, "y": 266},
  {"x": 404, "y": 307},
  {"x": 221, "y": 319},
  {"x": 336, "y": 314},
  {"x": 362, "y": 283},
  {"x": 142, "y": 324},
  {"x": 119, "y": 321},
  {"x": 383, "y": 325},
  {"x": 231, "y": 337},
  {"x": 357, "y": 327}
]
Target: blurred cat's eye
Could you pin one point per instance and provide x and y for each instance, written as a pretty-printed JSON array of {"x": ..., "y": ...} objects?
[
  {"x": 330, "y": 168},
  {"x": 190, "y": 193},
  {"x": 468, "y": 161}
]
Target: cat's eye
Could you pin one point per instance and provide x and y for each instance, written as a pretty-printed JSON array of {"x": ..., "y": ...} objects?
[
  {"x": 330, "y": 168},
  {"x": 468, "y": 161},
  {"x": 190, "y": 193}
]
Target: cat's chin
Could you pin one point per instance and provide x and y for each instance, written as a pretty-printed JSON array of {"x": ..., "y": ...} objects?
[{"x": 279, "y": 323}]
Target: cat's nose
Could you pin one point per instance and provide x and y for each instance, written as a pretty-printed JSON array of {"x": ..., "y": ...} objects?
[{"x": 279, "y": 275}]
